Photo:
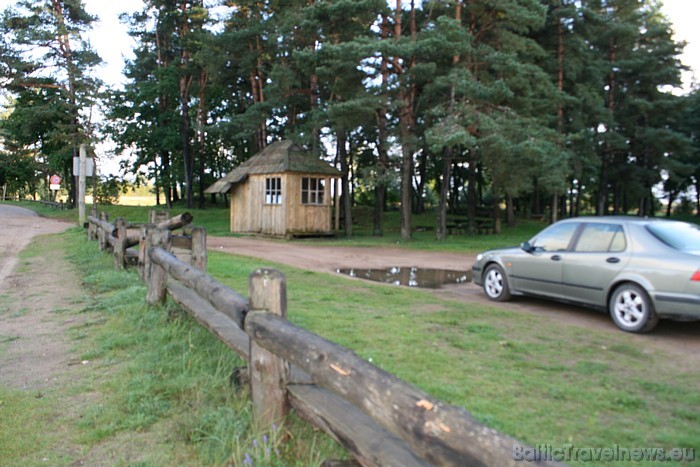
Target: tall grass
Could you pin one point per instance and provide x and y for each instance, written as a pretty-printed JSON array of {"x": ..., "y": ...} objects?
[
  {"x": 158, "y": 386},
  {"x": 168, "y": 370}
]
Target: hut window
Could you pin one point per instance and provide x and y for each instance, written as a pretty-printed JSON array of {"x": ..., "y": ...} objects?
[
  {"x": 312, "y": 190},
  {"x": 273, "y": 190}
]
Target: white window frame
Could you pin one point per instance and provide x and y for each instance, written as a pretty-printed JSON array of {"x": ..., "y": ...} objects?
[
  {"x": 313, "y": 191},
  {"x": 273, "y": 190}
]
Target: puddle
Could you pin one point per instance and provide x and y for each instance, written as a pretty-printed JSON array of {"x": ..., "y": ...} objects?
[{"x": 411, "y": 277}]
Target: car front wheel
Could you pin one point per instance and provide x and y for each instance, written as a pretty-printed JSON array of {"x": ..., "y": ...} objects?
[
  {"x": 496, "y": 284},
  {"x": 631, "y": 309}
]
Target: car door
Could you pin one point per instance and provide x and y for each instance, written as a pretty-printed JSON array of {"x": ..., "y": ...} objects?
[
  {"x": 597, "y": 256},
  {"x": 540, "y": 270}
]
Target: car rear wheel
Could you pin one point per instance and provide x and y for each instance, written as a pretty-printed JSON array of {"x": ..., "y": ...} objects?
[
  {"x": 631, "y": 309},
  {"x": 496, "y": 284}
]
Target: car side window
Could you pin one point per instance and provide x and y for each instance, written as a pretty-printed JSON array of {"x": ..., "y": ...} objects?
[
  {"x": 555, "y": 238},
  {"x": 601, "y": 238}
]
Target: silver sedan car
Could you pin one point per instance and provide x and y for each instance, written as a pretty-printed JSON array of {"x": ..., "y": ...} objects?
[{"x": 638, "y": 269}]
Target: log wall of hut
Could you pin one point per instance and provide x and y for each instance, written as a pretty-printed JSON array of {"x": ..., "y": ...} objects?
[{"x": 250, "y": 213}]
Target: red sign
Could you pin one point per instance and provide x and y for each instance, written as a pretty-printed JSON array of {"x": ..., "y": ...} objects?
[{"x": 55, "y": 180}]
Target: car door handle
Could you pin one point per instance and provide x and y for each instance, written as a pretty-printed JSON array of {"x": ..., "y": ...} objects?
[
  {"x": 613, "y": 260},
  {"x": 555, "y": 258}
]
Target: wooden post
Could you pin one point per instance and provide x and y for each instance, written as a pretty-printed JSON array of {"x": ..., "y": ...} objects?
[
  {"x": 268, "y": 373},
  {"x": 199, "y": 248},
  {"x": 157, "y": 277},
  {"x": 144, "y": 245},
  {"x": 82, "y": 176},
  {"x": 143, "y": 248},
  {"x": 101, "y": 234},
  {"x": 91, "y": 230},
  {"x": 156, "y": 216},
  {"x": 120, "y": 244}
]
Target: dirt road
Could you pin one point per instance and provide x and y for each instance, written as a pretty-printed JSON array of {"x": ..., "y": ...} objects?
[
  {"x": 18, "y": 227},
  {"x": 33, "y": 343}
]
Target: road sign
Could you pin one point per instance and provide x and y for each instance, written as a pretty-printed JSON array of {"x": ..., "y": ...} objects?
[
  {"x": 55, "y": 182},
  {"x": 89, "y": 167}
]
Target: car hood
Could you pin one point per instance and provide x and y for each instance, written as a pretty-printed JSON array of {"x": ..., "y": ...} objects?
[{"x": 499, "y": 252}]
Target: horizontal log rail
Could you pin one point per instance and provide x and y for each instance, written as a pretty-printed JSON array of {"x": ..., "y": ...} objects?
[
  {"x": 174, "y": 223},
  {"x": 379, "y": 418},
  {"x": 441, "y": 433},
  {"x": 222, "y": 298},
  {"x": 122, "y": 239}
]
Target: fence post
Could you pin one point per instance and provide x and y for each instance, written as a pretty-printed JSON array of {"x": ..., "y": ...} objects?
[
  {"x": 101, "y": 234},
  {"x": 143, "y": 250},
  {"x": 120, "y": 244},
  {"x": 156, "y": 216},
  {"x": 92, "y": 235},
  {"x": 157, "y": 276},
  {"x": 268, "y": 373},
  {"x": 92, "y": 228},
  {"x": 199, "y": 248}
]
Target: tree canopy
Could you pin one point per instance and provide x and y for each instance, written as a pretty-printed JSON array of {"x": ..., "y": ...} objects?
[
  {"x": 47, "y": 68},
  {"x": 546, "y": 107}
]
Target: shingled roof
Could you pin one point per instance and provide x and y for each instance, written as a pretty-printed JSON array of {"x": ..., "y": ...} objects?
[{"x": 278, "y": 157}]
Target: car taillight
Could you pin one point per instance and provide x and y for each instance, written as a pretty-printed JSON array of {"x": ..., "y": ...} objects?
[{"x": 696, "y": 276}]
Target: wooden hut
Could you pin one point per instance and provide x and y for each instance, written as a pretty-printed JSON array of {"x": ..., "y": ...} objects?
[{"x": 283, "y": 191}]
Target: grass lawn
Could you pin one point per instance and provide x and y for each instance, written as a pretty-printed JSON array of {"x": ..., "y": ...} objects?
[{"x": 541, "y": 382}]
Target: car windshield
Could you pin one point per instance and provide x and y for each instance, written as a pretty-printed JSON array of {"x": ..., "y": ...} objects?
[{"x": 678, "y": 235}]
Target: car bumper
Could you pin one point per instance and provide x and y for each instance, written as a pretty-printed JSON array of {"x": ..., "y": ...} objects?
[
  {"x": 476, "y": 275},
  {"x": 681, "y": 307}
]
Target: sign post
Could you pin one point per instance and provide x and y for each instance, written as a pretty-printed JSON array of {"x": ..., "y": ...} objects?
[{"x": 81, "y": 184}]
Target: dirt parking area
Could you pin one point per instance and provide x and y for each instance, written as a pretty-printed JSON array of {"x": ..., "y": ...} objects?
[{"x": 680, "y": 340}]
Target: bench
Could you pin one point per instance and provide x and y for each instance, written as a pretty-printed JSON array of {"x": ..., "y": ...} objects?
[{"x": 485, "y": 225}]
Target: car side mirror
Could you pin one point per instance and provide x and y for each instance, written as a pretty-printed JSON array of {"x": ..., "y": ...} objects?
[{"x": 527, "y": 247}]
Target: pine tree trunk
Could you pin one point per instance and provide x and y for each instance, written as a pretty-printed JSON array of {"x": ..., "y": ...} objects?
[
  {"x": 201, "y": 139},
  {"x": 471, "y": 190},
  {"x": 406, "y": 97},
  {"x": 444, "y": 190},
  {"x": 66, "y": 54},
  {"x": 257, "y": 79},
  {"x": 382, "y": 165},
  {"x": 448, "y": 152},
  {"x": 163, "y": 105},
  {"x": 341, "y": 137},
  {"x": 510, "y": 211},
  {"x": 602, "y": 200},
  {"x": 382, "y": 144},
  {"x": 185, "y": 128},
  {"x": 420, "y": 182},
  {"x": 560, "y": 107}
]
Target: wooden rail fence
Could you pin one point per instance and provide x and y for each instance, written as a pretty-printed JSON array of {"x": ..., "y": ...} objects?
[{"x": 380, "y": 419}]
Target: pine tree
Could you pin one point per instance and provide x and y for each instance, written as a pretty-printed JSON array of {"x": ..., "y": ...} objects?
[{"x": 45, "y": 51}]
